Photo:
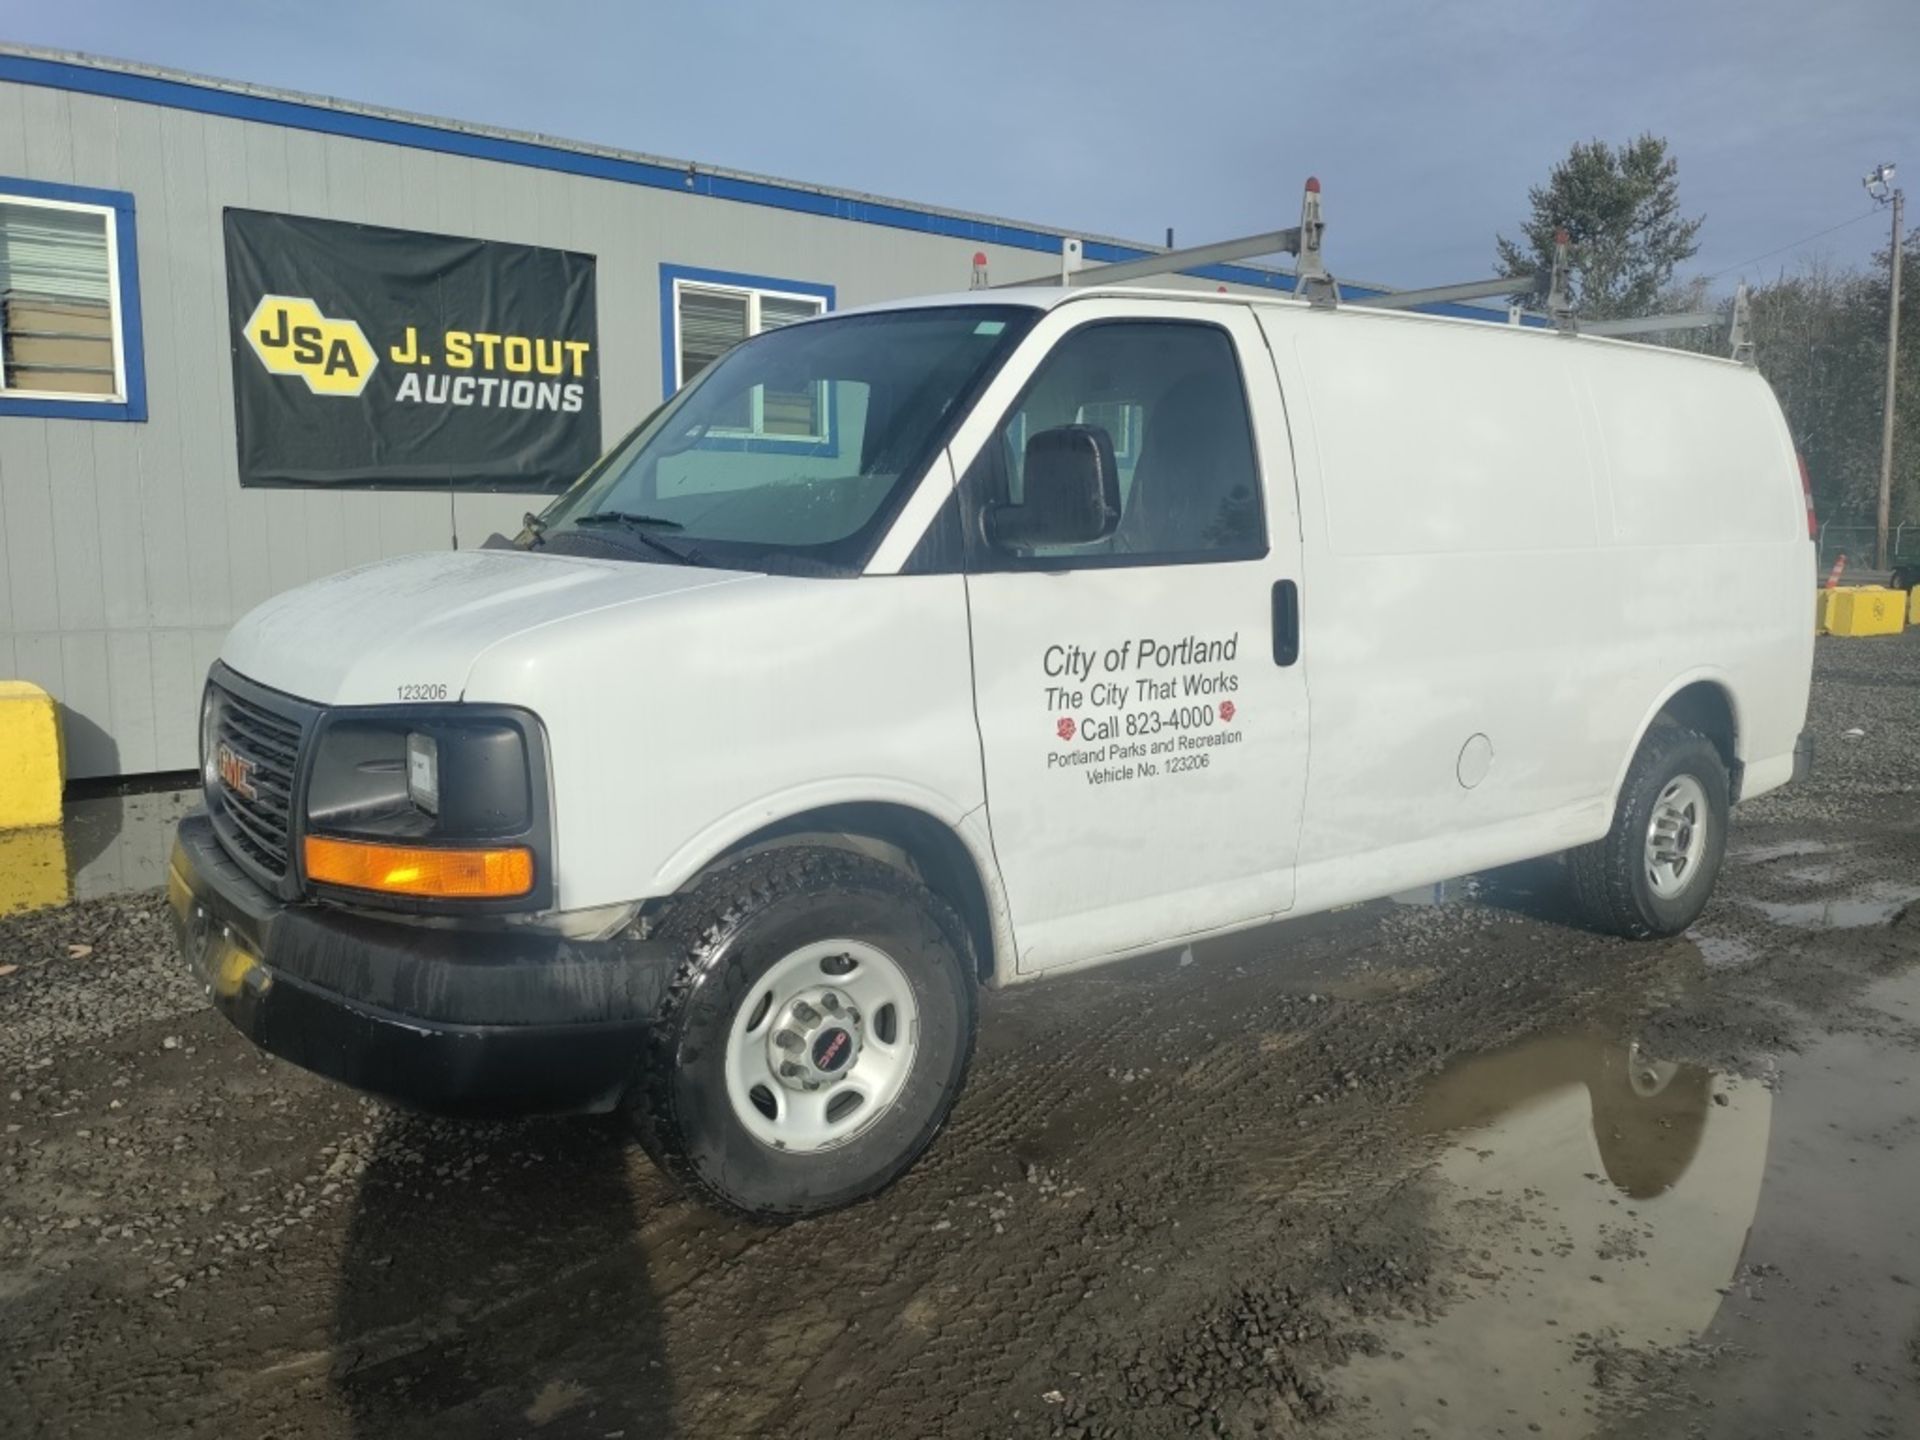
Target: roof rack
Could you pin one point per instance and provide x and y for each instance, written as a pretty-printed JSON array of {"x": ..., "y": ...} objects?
[
  {"x": 1312, "y": 281},
  {"x": 1302, "y": 241}
]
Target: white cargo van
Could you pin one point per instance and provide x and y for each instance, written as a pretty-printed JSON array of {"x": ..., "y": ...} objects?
[{"x": 978, "y": 638}]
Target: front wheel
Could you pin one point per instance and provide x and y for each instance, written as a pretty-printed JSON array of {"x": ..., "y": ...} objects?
[
  {"x": 1653, "y": 871},
  {"x": 815, "y": 1035}
]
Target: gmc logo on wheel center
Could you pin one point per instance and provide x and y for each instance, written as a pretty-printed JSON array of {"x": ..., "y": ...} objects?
[{"x": 236, "y": 770}]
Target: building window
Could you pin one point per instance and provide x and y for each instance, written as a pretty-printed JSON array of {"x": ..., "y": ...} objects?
[
  {"x": 1121, "y": 420},
  {"x": 709, "y": 312},
  {"x": 69, "y": 304}
]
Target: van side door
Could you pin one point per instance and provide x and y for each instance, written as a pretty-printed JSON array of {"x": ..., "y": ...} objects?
[{"x": 1141, "y": 699}]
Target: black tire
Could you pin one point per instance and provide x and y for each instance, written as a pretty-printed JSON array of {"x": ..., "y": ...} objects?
[
  {"x": 734, "y": 925},
  {"x": 1610, "y": 882}
]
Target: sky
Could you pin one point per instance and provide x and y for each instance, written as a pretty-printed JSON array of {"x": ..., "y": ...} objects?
[{"x": 1426, "y": 122}]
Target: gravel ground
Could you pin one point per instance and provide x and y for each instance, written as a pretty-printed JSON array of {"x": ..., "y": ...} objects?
[{"x": 1187, "y": 1195}]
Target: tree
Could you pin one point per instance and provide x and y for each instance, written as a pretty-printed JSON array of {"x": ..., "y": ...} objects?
[
  {"x": 1621, "y": 209},
  {"x": 1820, "y": 337}
]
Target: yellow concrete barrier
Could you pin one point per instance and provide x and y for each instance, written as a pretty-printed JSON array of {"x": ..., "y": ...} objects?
[
  {"x": 1823, "y": 610},
  {"x": 31, "y": 773},
  {"x": 1913, "y": 606},
  {"x": 1867, "y": 610},
  {"x": 33, "y": 869}
]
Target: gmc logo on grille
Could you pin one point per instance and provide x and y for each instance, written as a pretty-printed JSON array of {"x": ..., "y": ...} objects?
[{"x": 236, "y": 770}]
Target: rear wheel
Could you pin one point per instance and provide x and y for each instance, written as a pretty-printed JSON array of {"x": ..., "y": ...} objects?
[
  {"x": 1653, "y": 872},
  {"x": 814, "y": 1038}
]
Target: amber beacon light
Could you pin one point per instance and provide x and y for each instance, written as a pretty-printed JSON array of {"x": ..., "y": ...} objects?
[{"x": 419, "y": 870}]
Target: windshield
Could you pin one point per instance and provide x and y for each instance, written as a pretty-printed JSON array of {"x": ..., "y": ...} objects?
[{"x": 793, "y": 450}]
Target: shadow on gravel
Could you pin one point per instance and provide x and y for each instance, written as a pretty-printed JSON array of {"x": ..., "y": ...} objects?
[
  {"x": 1536, "y": 889},
  {"x": 491, "y": 1285}
]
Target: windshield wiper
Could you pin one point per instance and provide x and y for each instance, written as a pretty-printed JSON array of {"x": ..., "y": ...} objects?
[
  {"x": 637, "y": 526},
  {"x": 627, "y": 517}
]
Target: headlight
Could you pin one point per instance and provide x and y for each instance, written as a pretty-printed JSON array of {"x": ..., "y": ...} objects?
[
  {"x": 209, "y": 734},
  {"x": 423, "y": 772},
  {"x": 443, "y": 802}
]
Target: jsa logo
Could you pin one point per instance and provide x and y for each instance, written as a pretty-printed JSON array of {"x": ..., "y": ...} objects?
[{"x": 292, "y": 337}]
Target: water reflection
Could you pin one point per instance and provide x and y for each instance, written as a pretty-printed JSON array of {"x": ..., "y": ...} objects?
[
  {"x": 1821, "y": 1336},
  {"x": 119, "y": 843},
  {"x": 1597, "y": 1197},
  {"x": 1648, "y": 1115},
  {"x": 110, "y": 843},
  {"x": 1875, "y": 904}
]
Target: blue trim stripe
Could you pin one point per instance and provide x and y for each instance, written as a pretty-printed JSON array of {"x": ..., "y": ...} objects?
[
  {"x": 204, "y": 100},
  {"x": 132, "y": 335},
  {"x": 688, "y": 180}
]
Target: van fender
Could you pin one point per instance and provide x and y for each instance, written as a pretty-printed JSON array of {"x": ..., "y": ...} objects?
[
  {"x": 969, "y": 826},
  {"x": 1708, "y": 674}
]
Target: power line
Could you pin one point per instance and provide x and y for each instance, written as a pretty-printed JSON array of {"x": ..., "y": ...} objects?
[{"x": 1796, "y": 244}]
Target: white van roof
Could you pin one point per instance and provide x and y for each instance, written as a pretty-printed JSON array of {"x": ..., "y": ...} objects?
[{"x": 1048, "y": 297}]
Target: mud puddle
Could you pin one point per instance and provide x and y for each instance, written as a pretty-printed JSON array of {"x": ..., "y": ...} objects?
[
  {"x": 1593, "y": 1194},
  {"x": 1634, "y": 1237},
  {"x": 106, "y": 844},
  {"x": 1723, "y": 952},
  {"x": 1819, "y": 1333},
  {"x": 1779, "y": 850},
  {"x": 1874, "y": 905},
  {"x": 118, "y": 844}
]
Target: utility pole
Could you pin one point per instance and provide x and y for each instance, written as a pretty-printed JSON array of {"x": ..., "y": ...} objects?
[{"x": 1881, "y": 187}]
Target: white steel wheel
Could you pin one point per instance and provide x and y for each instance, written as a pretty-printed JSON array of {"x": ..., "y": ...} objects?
[
  {"x": 1676, "y": 836},
  {"x": 821, "y": 1045},
  {"x": 1652, "y": 873},
  {"x": 1645, "y": 1076},
  {"x": 794, "y": 1069}
]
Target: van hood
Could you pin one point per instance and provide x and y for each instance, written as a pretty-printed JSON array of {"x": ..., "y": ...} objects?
[{"x": 412, "y": 628}]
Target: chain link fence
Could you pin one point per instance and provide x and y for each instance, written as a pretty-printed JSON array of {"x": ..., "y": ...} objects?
[{"x": 1856, "y": 542}]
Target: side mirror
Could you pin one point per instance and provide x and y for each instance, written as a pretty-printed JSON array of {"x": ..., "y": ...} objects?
[{"x": 1072, "y": 491}]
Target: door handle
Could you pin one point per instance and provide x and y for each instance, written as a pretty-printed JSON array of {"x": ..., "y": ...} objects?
[{"x": 1286, "y": 622}]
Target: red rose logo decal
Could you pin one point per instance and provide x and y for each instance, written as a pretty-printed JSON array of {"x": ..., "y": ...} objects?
[
  {"x": 1227, "y": 711},
  {"x": 1065, "y": 727}
]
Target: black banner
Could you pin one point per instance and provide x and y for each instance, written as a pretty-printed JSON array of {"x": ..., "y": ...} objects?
[{"x": 370, "y": 357}]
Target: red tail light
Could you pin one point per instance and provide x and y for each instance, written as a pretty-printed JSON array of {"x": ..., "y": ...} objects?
[{"x": 1806, "y": 489}]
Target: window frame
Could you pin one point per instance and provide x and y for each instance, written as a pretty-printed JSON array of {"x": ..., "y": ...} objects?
[
  {"x": 674, "y": 279},
  {"x": 129, "y": 400},
  {"x": 985, "y": 558}
]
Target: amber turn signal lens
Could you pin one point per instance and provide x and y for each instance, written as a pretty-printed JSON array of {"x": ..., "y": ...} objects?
[{"x": 417, "y": 870}]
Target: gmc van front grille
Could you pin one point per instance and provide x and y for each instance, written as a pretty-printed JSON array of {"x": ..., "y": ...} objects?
[{"x": 250, "y": 777}]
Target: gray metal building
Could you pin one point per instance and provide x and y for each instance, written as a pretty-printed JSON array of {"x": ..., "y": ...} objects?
[{"x": 128, "y": 545}]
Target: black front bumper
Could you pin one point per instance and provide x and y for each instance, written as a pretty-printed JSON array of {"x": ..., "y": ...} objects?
[{"x": 481, "y": 1018}]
